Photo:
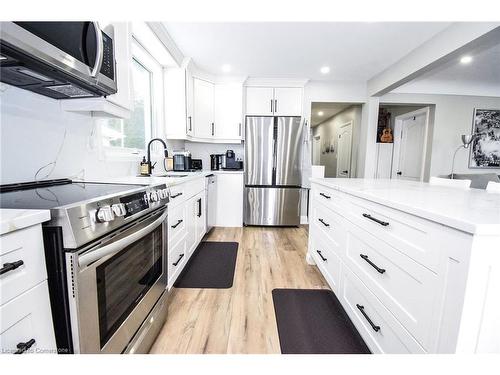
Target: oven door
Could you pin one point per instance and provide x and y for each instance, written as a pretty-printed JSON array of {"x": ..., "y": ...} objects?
[{"x": 116, "y": 285}]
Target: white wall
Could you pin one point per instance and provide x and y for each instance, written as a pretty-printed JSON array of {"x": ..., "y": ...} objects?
[
  {"x": 452, "y": 118},
  {"x": 204, "y": 150},
  {"x": 33, "y": 129},
  {"x": 329, "y": 129}
]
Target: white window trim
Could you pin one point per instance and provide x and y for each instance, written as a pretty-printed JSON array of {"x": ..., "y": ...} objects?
[{"x": 142, "y": 56}]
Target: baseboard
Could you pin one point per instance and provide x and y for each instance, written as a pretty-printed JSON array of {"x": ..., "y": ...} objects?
[{"x": 304, "y": 220}]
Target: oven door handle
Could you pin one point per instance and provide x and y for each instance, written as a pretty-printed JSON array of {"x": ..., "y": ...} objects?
[{"x": 113, "y": 248}]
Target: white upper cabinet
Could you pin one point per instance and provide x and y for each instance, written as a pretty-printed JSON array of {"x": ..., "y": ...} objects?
[
  {"x": 189, "y": 96},
  {"x": 288, "y": 101},
  {"x": 260, "y": 101},
  {"x": 228, "y": 111},
  {"x": 279, "y": 101},
  {"x": 118, "y": 105},
  {"x": 203, "y": 116}
]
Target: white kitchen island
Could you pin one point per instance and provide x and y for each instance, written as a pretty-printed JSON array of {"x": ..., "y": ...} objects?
[{"x": 415, "y": 266}]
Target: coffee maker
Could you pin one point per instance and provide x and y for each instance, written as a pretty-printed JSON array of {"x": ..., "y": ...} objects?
[
  {"x": 229, "y": 161},
  {"x": 216, "y": 162},
  {"x": 182, "y": 161}
]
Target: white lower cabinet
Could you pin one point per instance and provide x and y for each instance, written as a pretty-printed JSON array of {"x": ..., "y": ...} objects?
[{"x": 409, "y": 285}]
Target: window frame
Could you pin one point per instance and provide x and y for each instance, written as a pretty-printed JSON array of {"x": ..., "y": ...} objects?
[{"x": 141, "y": 55}]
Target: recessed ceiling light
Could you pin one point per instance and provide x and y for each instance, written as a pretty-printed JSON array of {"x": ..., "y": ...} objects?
[
  {"x": 325, "y": 69},
  {"x": 226, "y": 68},
  {"x": 320, "y": 113},
  {"x": 466, "y": 59}
]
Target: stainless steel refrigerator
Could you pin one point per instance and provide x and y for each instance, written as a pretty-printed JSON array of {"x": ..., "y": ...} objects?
[{"x": 273, "y": 150}]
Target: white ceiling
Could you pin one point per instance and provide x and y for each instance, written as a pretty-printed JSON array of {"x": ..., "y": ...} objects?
[
  {"x": 355, "y": 51},
  {"x": 328, "y": 109},
  {"x": 480, "y": 77}
]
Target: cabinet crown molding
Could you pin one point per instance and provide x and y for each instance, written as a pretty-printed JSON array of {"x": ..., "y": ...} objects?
[{"x": 275, "y": 82}]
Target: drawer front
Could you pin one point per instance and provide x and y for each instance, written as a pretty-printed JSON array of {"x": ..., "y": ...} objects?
[
  {"x": 326, "y": 255},
  {"x": 329, "y": 223},
  {"x": 23, "y": 249},
  {"x": 330, "y": 198},
  {"x": 409, "y": 290},
  {"x": 194, "y": 187},
  {"x": 177, "y": 258},
  {"x": 28, "y": 317},
  {"x": 378, "y": 327},
  {"x": 176, "y": 223},
  {"x": 177, "y": 195},
  {"x": 418, "y": 238}
]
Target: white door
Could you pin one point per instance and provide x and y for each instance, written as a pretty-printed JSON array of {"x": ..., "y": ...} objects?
[
  {"x": 410, "y": 133},
  {"x": 229, "y": 111},
  {"x": 288, "y": 101},
  {"x": 260, "y": 101},
  {"x": 344, "y": 150},
  {"x": 316, "y": 149},
  {"x": 204, "y": 126}
]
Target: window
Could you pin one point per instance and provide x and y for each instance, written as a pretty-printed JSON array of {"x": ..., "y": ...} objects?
[{"x": 130, "y": 136}]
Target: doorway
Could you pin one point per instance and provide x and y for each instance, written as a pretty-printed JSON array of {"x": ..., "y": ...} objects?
[
  {"x": 316, "y": 150},
  {"x": 410, "y": 135},
  {"x": 344, "y": 150}
]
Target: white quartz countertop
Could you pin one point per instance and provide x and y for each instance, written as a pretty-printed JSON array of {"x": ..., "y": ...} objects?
[
  {"x": 13, "y": 219},
  {"x": 474, "y": 210}
]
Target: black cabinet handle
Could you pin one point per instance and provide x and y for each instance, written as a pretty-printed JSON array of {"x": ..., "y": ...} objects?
[
  {"x": 345, "y": 171},
  {"x": 275, "y": 105},
  {"x": 213, "y": 129},
  {"x": 365, "y": 257},
  {"x": 271, "y": 106},
  {"x": 7, "y": 267},
  {"x": 199, "y": 207},
  {"x": 176, "y": 225},
  {"x": 178, "y": 260},
  {"x": 383, "y": 223},
  {"x": 323, "y": 222},
  {"x": 399, "y": 173},
  {"x": 324, "y": 195},
  {"x": 321, "y": 256},
  {"x": 190, "y": 123},
  {"x": 24, "y": 346},
  {"x": 239, "y": 129},
  {"x": 362, "y": 309},
  {"x": 176, "y": 195}
]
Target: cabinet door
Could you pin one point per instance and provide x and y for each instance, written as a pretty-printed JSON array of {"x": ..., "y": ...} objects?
[
  {"x": 204, "y": 126},
  {"x": 191, "y": 242},
  {"x": 200, "y": 216},
  {"x": 288, "y": 101},
  {"x": 189, "y": 89},
  {"x": 228, "y": 111},
  {"x": 260, "y": 101}
]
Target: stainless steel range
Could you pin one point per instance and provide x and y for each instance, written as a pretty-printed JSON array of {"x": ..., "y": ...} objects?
[{"x": 106, "y": 254}]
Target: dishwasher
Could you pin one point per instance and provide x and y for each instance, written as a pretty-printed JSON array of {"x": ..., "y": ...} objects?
[{"x": 211, "y": 199}]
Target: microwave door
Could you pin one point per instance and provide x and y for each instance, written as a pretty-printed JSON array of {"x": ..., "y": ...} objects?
[
  {"x": 259, "y": 151},
  {"x": 289, "y": 138}
]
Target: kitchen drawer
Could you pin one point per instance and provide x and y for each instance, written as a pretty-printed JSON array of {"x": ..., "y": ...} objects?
[
  {"x": 177, "y": 258},
  {"x": 409, "y": 290},
  {"x": 195, "y": 186},
  {"x": 177, "y": 195},
  {"x": 329, "y": 223},
  {"x": 176, "y": 223},
  {"x": 326, "y": 255},
  {"x": 387, "y": 335},
  {"x": 26, "y": 246},
  {"x": 28, "y": 317},
  {"x": 420, "y": 239},
  {"x": 330, "y": 198}
]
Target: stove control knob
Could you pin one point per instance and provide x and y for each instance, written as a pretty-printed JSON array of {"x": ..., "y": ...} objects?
[
  {"x": 165, "y": 192},
  {"x": 162, "y": 193},
  {"x": 104, "y": 214},
  {"x": 119, "y": 209},
  {"x": 153, "y": 196}
]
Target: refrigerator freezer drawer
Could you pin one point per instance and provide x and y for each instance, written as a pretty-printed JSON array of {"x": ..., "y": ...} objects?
[{"x": 272, "y": 206}]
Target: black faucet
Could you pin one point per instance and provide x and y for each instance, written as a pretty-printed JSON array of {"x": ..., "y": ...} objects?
[{"x": 151, "y": 167}]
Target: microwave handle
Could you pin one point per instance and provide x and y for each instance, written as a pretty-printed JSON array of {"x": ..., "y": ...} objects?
[
  {"x": 113, "y": 248},
  {"x": 100, "y": 51}
]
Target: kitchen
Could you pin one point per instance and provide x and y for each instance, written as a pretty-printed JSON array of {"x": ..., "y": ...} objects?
[{"x": 173, "y": 205}]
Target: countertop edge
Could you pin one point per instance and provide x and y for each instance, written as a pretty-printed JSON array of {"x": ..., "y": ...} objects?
[{"x": 16, "y": 219}]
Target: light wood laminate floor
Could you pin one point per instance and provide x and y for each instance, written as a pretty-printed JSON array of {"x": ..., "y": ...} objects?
[{"x": 240, "y": 319}]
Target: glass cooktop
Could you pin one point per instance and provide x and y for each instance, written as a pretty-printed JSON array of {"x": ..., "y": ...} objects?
[{"x": 55, "y": 193}]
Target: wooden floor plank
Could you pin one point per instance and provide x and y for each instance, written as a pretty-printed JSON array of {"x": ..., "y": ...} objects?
[{"x": 241, "y": 319}]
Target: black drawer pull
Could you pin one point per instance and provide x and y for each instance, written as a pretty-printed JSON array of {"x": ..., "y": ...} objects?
[
  {"x": 323, "y": 222},
  {"x": 324, "y": 195},
  {"x": 176, "y": 195},
  {"x": 321, "y": 256},
  {"x": 7, "y": 267},
  {"x": 362, "y": 309},
  {"x": 178, "y": 260},
  {"x": 365, "y": 257},
  {"x": 24, "y": 346},
  {"x": 176, "y": 225},
  {"x": 199, "y": 207},
  {"x": 383, "y": 223}
]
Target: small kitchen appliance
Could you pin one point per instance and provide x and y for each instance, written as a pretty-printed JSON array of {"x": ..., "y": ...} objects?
[{"x": 229, "y": 161}]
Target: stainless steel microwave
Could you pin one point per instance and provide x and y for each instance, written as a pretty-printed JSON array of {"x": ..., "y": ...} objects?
[{"x": 61, "y": 60}]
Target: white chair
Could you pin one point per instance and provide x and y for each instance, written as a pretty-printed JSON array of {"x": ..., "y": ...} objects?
[
  {"x": 493, "y": 187},
  {"x": 460, "y": 184}
]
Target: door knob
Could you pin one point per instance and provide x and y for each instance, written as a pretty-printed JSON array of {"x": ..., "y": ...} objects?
[{"x": 345, "y": 171}]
